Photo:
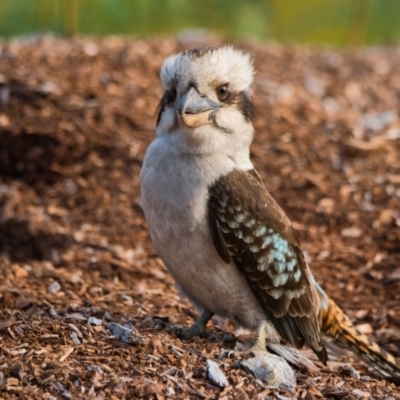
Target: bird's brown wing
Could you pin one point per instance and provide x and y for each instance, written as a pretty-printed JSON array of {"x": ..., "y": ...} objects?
[{"x": 248, "y": 226}]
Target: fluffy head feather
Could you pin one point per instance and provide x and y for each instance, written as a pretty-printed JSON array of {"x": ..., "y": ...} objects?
[{"x": 213, "y": 65}]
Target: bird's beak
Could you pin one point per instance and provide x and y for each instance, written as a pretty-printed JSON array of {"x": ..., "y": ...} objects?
[{"x": 195, "y": 109}]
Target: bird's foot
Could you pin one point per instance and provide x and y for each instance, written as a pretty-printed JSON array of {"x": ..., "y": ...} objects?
[
  {"x": 188, "y": 333},
  {"x": 197, "y": 329},
  {"x": 259, "y": 344},
  {"x": 242, "y": 353}
]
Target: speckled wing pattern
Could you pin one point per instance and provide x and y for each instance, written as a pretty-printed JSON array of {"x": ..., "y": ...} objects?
[{"x": 248, "y": 226}]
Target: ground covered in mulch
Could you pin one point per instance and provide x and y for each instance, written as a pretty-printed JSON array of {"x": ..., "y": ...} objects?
[{"x": 76, "y": 260}]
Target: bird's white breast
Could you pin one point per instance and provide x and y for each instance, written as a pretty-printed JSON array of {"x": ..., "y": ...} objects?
[{"x": 174, "y": 199}]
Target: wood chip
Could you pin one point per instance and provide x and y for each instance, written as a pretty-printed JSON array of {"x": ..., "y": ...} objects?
[{"x": 67, "y": 353}]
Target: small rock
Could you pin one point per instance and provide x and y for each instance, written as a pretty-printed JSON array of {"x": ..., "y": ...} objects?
[
  {"x": 76, "y": 316},
  {"x": 348, "y": 370},
  {"x": 215, "y": 374},
  {"x": 54, "y": 287},
  {"x": 169, "y": 391},
  {"x": 125, "y": 334},
  {"x": 5, "y": 92},
  {"x": 76, "y": 330},
  {"x": 75, "y": 278},
  {"x": 75, "y": 339},
  {"x": 119, "y": 330},
  {"x": 53, "y": 313},
  {"x": 271, "y": 369},
  {"x": 107, "y": 316},
  {"x": 48, "y": 88},
  {"x": 61, "y": 388},
  {"x": 377, "y": 121},
  {"x": 95, "y": 321},
  {"x": 360, "y": 394}
]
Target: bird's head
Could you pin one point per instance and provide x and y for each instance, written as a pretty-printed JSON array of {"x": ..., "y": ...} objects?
[{"x": 207, "y": 102}]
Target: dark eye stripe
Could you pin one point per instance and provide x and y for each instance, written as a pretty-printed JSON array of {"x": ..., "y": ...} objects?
[
  {"x": 167, "y": 99},
  {"x": 243, "y": 101},
  {"x": 245, "y": 105}
]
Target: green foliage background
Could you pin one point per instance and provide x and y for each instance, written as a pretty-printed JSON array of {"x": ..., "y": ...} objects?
[{"x": 337, "y": 22}]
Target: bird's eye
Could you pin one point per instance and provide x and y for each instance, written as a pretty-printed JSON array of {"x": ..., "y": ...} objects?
[
  {"x": 222, "y": 92},
  {"x": 172, "y": 93}
]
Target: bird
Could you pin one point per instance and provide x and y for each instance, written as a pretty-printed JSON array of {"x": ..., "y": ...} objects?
[{"x": 229, "y": 246}]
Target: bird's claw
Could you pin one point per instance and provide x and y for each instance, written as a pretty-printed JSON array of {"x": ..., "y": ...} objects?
[
  {"x": 227, "y": 354},
  {"x": 197, "y": 329},
  {"x": 250, "y": 352},
  {"x": 182, "y": 333}
]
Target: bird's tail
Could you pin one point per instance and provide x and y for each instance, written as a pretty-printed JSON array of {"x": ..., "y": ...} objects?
[{"x": 336, "y": 324}]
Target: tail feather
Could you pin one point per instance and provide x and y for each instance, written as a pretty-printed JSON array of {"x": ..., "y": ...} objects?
[{"x": 336, "y": 324}]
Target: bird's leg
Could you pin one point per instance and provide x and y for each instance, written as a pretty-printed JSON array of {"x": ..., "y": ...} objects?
[
  {"x": 197, "y": 329},
  {"x": 259, "y": 344}
]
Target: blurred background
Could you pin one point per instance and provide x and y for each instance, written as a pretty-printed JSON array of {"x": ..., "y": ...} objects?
[{"x": 334, "y": 22}]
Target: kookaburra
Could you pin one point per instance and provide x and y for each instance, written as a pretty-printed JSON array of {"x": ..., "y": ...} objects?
[{"x": 229, "y": 246}]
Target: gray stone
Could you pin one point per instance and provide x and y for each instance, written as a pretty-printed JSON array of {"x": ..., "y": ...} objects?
[
  {"x": 169, "y": 391},
  {"x": 360, "y": 394},
  {"x": 126, "y": 334},
  {"x": 215, "y": 375},
  {"x": 271, "y": 369},
  {"x": 54, "y": 287},
  {"x": 95, "y": 321}
]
